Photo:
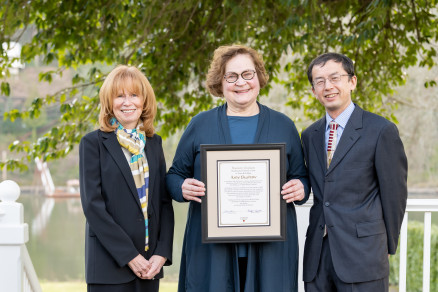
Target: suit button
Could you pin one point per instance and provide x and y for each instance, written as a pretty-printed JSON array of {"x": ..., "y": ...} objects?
[
  {"x": 321, "y": 226},
  {"x": 149, "y": 216},
  {"x": 327, "y": 204}
]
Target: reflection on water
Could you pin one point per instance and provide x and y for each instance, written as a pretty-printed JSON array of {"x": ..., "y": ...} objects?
[
  {"x": 56, "y": 237},
  {"x": 57, "y": 230},
  {"x": 39, "y": 223}
]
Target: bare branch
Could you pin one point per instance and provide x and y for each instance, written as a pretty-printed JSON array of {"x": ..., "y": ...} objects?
[{"x": 417, "y": 30}]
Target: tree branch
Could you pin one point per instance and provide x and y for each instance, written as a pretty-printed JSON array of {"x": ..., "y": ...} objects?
[
  {"x": 70, "y": 88},
  {"x": 417, "y": 30}
]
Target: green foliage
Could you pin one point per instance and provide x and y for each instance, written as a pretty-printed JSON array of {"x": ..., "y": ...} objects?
[
  {"x": 173, "y": 41},
  {"x": 414, "y": 274},
  {"x": 5, "y": 89}
]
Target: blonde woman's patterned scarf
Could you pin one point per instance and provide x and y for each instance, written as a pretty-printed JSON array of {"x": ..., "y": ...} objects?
[{"x": 134, "y": 141}]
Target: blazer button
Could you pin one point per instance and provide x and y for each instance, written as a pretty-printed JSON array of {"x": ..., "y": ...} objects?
[{"x": 327, "y": 204}]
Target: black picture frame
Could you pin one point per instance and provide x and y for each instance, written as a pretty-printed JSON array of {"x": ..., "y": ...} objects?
[{"x": 270, "y": 159}]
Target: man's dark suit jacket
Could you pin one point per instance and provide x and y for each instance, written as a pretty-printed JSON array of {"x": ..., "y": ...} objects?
[
  {"x": 115, "y": 232},
  {"x": 361, "y": 197}
]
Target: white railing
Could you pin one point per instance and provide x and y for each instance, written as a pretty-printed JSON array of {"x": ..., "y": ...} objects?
[
  {"x": 17, "y": 273},
  {"x": 417, "y": 205},
  {"x": 413, "y": 205}
]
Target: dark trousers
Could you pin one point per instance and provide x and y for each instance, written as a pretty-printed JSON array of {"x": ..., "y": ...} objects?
[
  {"x": 137, "y": 285},
  {"x": 243, "y": 263},
  {"x": 326, "y": 279}
]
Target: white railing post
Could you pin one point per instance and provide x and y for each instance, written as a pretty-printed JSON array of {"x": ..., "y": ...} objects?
[
  {"x": 426, "y": 251},
  {"x": 403, "y": 254},
  {"x": 15, "y": 270},
  {"x": 303, "y": 212},
  {"x": 13, "y": 234}
]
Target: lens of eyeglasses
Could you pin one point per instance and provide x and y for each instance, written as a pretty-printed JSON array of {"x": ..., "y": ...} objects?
[
  {"x": 248, "y": 75},
  {"x": 233, "y": 77},
  {"x": 334, "y": 79}
]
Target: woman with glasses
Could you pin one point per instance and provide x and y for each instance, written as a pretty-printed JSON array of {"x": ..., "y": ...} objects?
[
  {"x": 129, "y": 229},
  {"x": 237, "y": 73}
]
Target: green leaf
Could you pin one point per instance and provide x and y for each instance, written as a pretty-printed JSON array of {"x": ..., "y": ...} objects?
[
  {"x": 173, "y": 42},
  {"x": 5, "y": 88}
]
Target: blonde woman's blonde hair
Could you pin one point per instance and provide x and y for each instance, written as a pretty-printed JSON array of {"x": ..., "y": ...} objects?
[
  {"x": 127, "y": 78},
  {"x": 220, "y": 59}
]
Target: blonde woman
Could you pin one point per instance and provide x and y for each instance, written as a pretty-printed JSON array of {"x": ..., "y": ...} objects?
[{"x": 129, "y": 229}]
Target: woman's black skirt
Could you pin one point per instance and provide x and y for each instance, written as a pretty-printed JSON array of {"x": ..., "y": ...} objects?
[{"x": 137, "y": 285}]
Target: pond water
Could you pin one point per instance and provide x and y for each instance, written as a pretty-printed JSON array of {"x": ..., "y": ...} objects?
[
  {"x": 57, "y": 230},
  {"x": 57, "y": 237}
]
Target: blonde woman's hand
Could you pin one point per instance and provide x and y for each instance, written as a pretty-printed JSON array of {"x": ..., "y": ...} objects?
[
  {"x": 157, "y": 263},
  {"x": 140, "y": 266}
]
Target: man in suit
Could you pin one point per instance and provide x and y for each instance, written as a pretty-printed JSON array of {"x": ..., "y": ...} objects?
[{"x": 358, "y": 173}]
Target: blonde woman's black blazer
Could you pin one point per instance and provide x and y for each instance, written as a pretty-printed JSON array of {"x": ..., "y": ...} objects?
[{"x": 115, "y": 232}]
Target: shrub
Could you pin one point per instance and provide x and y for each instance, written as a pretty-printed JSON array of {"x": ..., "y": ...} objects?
[{"x": 414, "y": 272}]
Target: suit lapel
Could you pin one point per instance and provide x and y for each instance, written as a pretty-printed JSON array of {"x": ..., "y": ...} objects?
[
  {"x": 114, "y": 149},
  {"x": 348, "y": 139},
  {"x": 318, "y": 142}
]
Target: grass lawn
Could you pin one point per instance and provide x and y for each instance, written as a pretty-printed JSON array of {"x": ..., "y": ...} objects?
[{"x": 82, "y": 287}]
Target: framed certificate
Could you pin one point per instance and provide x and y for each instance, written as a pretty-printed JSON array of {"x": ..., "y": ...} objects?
[{"x": 243, "y": 201}]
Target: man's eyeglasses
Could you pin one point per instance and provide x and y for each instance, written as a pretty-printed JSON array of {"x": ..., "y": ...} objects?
[
  {"x": 334, "y": 79},
  {"x": 232, "y": 77}
]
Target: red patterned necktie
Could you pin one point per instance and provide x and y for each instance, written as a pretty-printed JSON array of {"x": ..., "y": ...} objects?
[{"x": 331, "y": 147}]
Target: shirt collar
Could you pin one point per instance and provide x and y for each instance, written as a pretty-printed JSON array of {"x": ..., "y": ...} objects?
[{"x": 342, "y": 119}]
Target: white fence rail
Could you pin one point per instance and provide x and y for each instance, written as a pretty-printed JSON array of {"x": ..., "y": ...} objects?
[
  {"x": 413, "y": 205},
  {"x": 417, "y": 205},
  {"x": 17, "y": 273}
]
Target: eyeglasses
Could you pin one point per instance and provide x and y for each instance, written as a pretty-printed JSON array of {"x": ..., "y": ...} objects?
[
  {"x": 334, "y": 79},
  {"x": 129, "y": 97},
  {"x": 232, "y": 77}
]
